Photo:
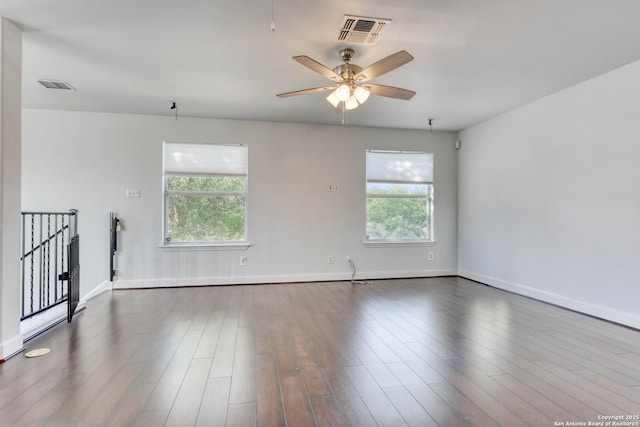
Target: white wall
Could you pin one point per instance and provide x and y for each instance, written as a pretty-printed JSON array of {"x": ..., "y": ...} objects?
[
  {"x": 88, "y": 160},
  {"x": 10, "y": 111},
  {"x": 549, "y": 198}
]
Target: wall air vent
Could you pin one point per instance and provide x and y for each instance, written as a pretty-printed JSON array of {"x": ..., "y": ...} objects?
[
  {"x": 56, "y": 84},
  {"x": 361, "y": 30}
]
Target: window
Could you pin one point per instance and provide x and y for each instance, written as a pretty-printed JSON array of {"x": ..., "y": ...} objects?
[
  {"x": 399, "y": 196},
  {"x": 205, "y": 191}
]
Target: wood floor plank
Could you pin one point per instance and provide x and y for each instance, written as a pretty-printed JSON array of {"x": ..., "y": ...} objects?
[
  {"x": 184, "y": 410},
  {"x": 538, "y": 400},
  {"x": 466, "y": 409},
  {"x": 207, "y": 345},
  {"x": 107, "y": 401},
  {"x": 314, "y": 381},
  {"x": 168, "y": 384},
  {"x": 377, "y": 346},
  {"x": 437, "y": 408},
  {"x": 435, "y": 351},
  {"x": 621, "y": 373},
  {"x": 599, "y": 380},
  {"x": 222, "y": 365},
  {"x": 247, "y": 313},
  {"x": 376, "y": 368},
  {"x": 470, "y": 356},
  {"x": 469, "y": 390},
  {"x": 263, "y": 332},
  {"x": 284, "y": 347},
  {"x": 520, "y": 408},
  {"x": 151, "y": 419},
  {"x": 307, "y": 341},
  {"x": 241, "y": 415},
  {"x": 599, "y": 398},
  {"x": 130, "y": 406},
  {"x": 351, "y": 404},
  {"x": 160, "y": 354},
  {"x": 333, "y": 333},
  {"x": 327, "y": 412},
  {"x": 378, "y": 403},
  {"x": 546, "y": 384},
  {"x": 409, "y": 408},
  {"x": 214, "y": 403},
  {"x": 297, "y": 408},
  {"x": 417, "y": 364},
  {"x": 608, "y": 356},
  {"x": 16, "y": 381},
  {"x": 243, "y": 375},
  {"x": 84, "y": 389},
  {"x": 269, "y": 405},
  {"x": 40, "y": 394}
]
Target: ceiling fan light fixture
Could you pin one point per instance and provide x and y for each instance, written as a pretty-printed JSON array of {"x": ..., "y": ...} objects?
[
  {"x": 361, "y": 94},
  {"x": 349, "y": 88},
  {"x": 333, "y": 99},
  {"x": 343, "y": 92},
  {"x": 351, "y": 103}
]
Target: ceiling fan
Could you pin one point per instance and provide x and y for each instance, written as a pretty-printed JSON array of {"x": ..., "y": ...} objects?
[{"x": 350, "y": 88}]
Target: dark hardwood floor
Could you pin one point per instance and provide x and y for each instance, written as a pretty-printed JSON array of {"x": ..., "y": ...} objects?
[{"x": 422, "y": 352}]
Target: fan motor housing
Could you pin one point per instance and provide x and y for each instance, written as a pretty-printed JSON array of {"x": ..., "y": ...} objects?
[{"x": 347, "y": 71}]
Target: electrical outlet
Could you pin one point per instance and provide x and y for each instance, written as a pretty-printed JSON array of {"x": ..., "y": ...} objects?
[
  {"x": 348, "y": 258},
  {"x": 133, "y": 193},
  {"x": 243, "y": 261},
  {"x": 430, "y": 256},
  {"x": 330, "y": 259}
]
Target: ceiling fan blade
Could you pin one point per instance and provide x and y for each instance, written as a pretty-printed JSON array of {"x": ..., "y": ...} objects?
[
  {"x": 317, "y": 67},
  {"x": 384, "y": 65},
  {"x": 305, "y": 91},
  {"x": 390, "y": 91}
]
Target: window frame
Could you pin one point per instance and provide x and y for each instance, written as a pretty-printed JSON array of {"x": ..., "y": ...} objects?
[
  {"x": 211, "y": 244},
  {"x": 428, "y": 197}
]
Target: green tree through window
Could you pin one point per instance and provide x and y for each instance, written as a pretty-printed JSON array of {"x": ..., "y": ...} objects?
[
  {"x": 399, "y": 196},
  {"x": 205, "y": 209},
  {"x": 205, "y": 193}
]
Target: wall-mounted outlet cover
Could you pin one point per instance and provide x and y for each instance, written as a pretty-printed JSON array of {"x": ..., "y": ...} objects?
[{"x": 133, "y": 193}]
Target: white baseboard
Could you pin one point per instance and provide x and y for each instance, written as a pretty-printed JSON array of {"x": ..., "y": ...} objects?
[
  {"x": 11, "y": 347},
  {"x": 43, "y": 321},
  {"x": 282, "y": 278},
  {"x": 103, "y": 287},
  {"x": 596, "y": 310},
  {"x": 371, "y": 275}
]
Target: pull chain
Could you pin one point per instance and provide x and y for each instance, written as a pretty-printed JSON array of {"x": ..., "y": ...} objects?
[{"x": 273, "y": 21}]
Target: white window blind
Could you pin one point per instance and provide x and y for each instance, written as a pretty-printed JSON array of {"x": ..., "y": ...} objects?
[
  {"x": 205, "y": 159},
  {"x": 399, "y": 167}
]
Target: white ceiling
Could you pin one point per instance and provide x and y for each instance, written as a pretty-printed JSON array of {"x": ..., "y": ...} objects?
[{"x": 474, "y": 59}]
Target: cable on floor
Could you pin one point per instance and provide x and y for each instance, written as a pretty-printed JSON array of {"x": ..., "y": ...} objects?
[{"x": 353, "y": 270}]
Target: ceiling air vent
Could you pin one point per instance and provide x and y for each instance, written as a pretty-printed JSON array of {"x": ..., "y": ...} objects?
[
  {"x": 56, "y": 84},
  {"x": 361, "y": 30}
]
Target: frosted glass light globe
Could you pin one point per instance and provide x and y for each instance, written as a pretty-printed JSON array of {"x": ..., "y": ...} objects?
[
  {"x": 343, "y": 92},
  {"x": 361, "y": 94}
]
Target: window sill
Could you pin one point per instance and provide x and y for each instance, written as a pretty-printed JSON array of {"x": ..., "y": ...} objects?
[
  {"x": 179, "y": 247},
  {"x": 397, "y": 243}
]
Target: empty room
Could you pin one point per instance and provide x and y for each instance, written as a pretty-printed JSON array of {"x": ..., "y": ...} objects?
[{"x": 298, "y": 213}]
